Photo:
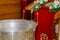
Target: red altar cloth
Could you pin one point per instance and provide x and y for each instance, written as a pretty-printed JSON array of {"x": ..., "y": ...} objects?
[{"x": 45, "y": 23}]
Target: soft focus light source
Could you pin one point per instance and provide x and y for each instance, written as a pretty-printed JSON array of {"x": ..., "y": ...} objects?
[
  {"x": 12, "y": 24},
  {"x": 23, "y": 13},
  {"x": 37, "y": 17}
]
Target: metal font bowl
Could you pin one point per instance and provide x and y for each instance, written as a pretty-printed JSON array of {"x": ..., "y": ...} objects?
[{"x": 16, "y": 25}]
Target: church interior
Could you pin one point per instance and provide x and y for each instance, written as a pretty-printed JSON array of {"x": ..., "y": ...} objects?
[{"x": 46, "y": 13}]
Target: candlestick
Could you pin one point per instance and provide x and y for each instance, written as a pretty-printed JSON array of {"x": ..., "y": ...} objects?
[
  {"x": 31, "y": 13},
  {"x": 37, "y": 16},
  {"x": 23, "y": 14}
]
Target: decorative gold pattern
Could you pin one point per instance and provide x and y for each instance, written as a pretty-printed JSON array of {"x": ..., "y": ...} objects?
[
  {"x": 44, "y": 36},
  {"x": 29, "y": 34}
]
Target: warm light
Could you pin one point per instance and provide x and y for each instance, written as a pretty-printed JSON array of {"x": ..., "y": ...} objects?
[
  {"x": 23, "y": 13},
  {"x": 37, "y": 13}
]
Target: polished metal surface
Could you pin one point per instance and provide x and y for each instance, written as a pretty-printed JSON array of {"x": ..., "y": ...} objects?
[
  {"x": 16, "y": 25},
  {"x": 17, "y": 29}
]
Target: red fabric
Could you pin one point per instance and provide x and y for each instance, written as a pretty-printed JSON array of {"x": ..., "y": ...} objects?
[
  {"x": 27, "y": 13},
  {"x": 45, "y": 23},
  {"x": 23, "y": 4}
]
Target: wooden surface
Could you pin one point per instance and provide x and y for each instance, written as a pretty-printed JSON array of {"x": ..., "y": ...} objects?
[
  {"x": 9, "y": 9},
  {"x": 57, "y": 15},
  {"x": 57, "y": 18},
  {"x": 59, "y": 31}
]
